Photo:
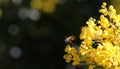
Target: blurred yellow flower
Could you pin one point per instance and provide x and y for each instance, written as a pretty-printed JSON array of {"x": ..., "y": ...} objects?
[
  {"x": 36, "y": 4},
  {"x": 1, "y": 12},
  {"x": 47, "y": 6}
]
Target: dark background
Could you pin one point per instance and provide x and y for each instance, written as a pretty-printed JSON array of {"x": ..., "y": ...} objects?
[{"x": 39, "y": 44}]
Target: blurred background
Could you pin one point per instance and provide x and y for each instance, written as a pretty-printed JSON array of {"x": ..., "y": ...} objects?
[{"x": 32, "y": 32}]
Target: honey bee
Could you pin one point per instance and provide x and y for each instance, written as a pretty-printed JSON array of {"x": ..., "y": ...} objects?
[{"x": 70, "y": 39}]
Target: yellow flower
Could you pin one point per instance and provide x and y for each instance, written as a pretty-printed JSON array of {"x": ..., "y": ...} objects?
[
  {"x": 4, "y": 2},
  {"x": 108, "y": 65},
  {"x": 112, "y": 10},
  {"x": 91, "y": 22},
  {"x": 104, "y": 21},
  {"x": 36, "y": 4},
  {"x": 103, "y": 9},
  {"x": 104, "y": 5},
  {"x": 46, "y": 6},
  {"x": 88, "y": 40},
  {"x": 68, "y": 58},
  {"x": 100, "y": 46},
  {"x": 70, "y": 50},
  {"x": 1, "y": 12},
  {"x": 83, "y": 33},
  {"x": 91, "y": 66},
  {"x": 76, "y": 59}
]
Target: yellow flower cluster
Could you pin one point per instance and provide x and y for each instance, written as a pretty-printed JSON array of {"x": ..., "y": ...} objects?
[
  {"x": 100, "y": 46},
  {"x": 72, "y": 55},
  {"x": 47, "y": 6}
]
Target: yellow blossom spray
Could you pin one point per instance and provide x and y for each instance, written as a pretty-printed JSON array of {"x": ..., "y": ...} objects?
[{"x": 100, "y": 46}]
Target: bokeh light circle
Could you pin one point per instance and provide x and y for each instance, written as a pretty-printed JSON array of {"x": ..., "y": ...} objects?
[
  {"x": 15, "y": 52},
  {"x": 34, "y": 14},
  {"x": 17, "y": 2},
  {"x": 13, "y": 29},
  {"x": 23, "y": 14}
]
